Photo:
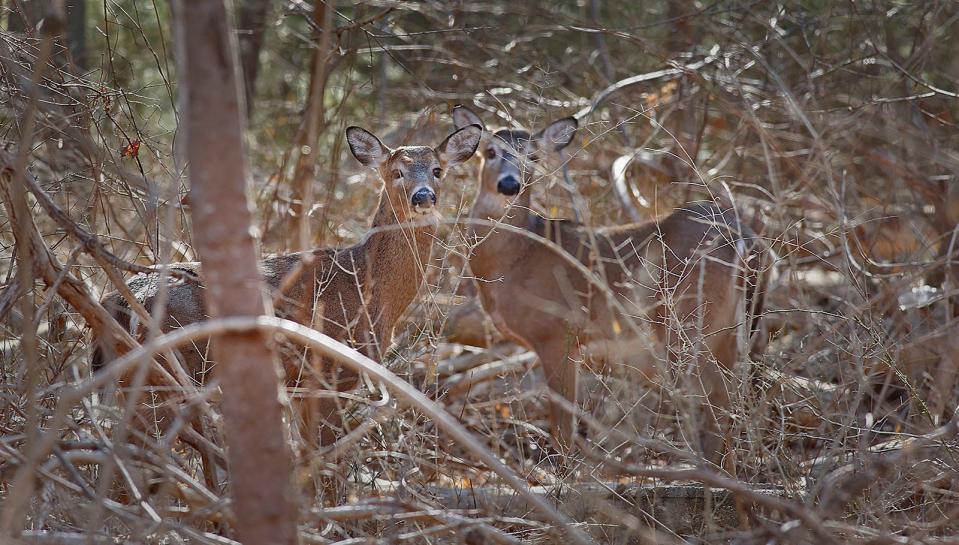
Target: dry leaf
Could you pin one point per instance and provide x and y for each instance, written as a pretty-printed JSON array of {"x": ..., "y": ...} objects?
[{"x": 131, "y": 150}]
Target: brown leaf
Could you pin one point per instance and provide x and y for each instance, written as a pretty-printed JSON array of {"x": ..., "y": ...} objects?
[{"x": 131, "y": 150}]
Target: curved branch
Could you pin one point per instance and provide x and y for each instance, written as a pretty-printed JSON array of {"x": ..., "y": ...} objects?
[
  {"x": 328, "y": 347},
  {"x": 666, "y": 73}
]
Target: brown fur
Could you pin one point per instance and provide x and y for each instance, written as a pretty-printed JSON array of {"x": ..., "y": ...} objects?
[
  {"x": 355, "y": 294},
  {"x": 654, "y": 269}
]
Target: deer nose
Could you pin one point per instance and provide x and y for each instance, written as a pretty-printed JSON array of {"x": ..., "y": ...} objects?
[
  {"x": 508, "y": 186},
  {"x": 424, "y": 197}
]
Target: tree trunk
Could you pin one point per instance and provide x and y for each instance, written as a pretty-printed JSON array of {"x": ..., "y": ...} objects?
[
  {"x": 76, "y": 32},
  {"x": 307, "y": 139},
  {"x": 681, "y": 33},
  {"x": 686, "y": 121},
  {"x": 213, "y": 124},
  {"x": 24, "y": 15},
  {"x": 250, "y": 30}
]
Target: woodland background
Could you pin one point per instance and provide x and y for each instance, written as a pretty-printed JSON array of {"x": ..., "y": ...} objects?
[{"x": 833, "y": 125}]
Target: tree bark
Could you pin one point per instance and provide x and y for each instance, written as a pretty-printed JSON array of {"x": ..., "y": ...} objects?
[
  {"x": 250, "y": 30},
  {"x": 76, "y": 32},
  {"x": 213, "y": 124},
  {"x": 307, "y": 139},
  {"x": 23, "y": 16},
  {"x": 681, "y": 35}
]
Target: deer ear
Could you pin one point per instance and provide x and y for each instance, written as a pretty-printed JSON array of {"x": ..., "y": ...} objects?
[
  {"x": 366, "y": 147},
  {"x": 558, "y": 134},
  {"x": 463, "y": 116},
  {"x": 461, "y": 145}
]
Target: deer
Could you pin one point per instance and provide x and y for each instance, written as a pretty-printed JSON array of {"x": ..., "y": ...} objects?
[
  {"x": 686, "y": 276},
  {"x": 354, "y": 294}
]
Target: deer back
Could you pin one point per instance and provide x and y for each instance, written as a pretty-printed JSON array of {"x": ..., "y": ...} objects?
[{"x": 645, "y": 265}]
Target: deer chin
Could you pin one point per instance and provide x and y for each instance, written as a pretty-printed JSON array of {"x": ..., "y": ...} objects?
[
  {"x": 491, "y": 205},
  {"x": 425, "y": 214},
  {"x": 508, "y": 204}
]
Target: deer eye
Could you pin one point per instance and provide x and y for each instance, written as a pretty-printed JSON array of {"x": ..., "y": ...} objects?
[
  {"x": 437, "y": 172},
  {"x": 397, "y": 174},
  {"x": 490, "y": 153}
]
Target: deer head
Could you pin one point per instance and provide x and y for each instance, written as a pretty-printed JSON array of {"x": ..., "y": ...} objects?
[
  {"x": 509, "y": 156},
  {"x": 411, "y": 174}
]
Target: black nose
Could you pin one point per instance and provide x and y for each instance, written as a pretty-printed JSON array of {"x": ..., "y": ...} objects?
[
  {"x": 508, "y": 186},
  {"x": 423, "y": 196}
]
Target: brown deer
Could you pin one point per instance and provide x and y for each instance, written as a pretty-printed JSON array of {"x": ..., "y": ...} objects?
[
  {"x": 353, "y": 294},
  {"x": 682, "y": 278}
]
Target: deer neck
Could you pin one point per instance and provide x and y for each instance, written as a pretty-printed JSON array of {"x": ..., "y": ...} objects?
[
  {"x": 490, "y": 208},
  {"x": 496, "y": 248},
  {"x": 397, "y": 253}
]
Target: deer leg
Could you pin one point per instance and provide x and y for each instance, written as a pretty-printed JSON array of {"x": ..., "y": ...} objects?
[
  {"x": 716, "y": 435},
  {"x": 561, "y": 371},
  {"x": 708, "y": 323},
  {"x": 326, "y": 422},
  {"x": 305, "y": 410},
  {"x": 330, "y": 419},
  {"x": 317, "y": 420}
]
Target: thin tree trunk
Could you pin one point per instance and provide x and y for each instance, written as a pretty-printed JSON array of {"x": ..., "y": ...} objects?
[
  {"x": 685, "y": 125},
  {"x": 213, "y": 123},
  {"x": 680, "y": 37},
  {"x": 18, "y": 210},
  {"x": 619, "y": 118},
  {"x": 307, "y": 141},
  {"x": 250, "y": 30},
  {"x": 76, "y": 32},
  {"x": 24, "y": 15}
]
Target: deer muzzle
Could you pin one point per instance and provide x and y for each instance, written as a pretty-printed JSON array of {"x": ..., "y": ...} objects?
[
  {"x": 423, "y": 200},
  {"x": 508, "y": 185}
]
